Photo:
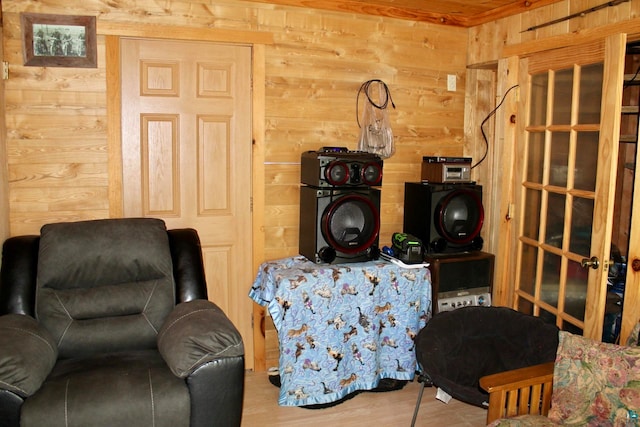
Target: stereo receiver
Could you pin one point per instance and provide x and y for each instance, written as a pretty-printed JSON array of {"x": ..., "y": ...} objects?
[
  {"x": 446, "y": 169},
  {"x": 461, "y": 280}
]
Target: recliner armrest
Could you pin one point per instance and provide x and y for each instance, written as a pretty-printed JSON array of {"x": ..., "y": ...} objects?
[
  {"x": 197, "y": 332},
  {"x": 18, "y": 275},
  {"x": 27, "y": 354}
]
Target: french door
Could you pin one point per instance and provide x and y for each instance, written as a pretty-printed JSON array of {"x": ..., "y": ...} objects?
[{"x": 565, "y": 173}]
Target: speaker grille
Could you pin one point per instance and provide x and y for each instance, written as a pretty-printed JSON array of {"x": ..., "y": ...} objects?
[
  {"x": 372, "y": 174},
  {"x": 337, "y": 173},
  {"x": 459, "y": 216},
  {"x": 351, "y": 224}
]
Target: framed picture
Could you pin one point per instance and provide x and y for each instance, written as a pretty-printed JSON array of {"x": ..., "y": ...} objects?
[{"x": 59, "y": 40}]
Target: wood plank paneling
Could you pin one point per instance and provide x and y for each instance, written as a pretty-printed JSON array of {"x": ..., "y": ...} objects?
[
  {"x": 60, "y": 141},
  {"x": 461, "y": 12},
  {"x": 315, "y": 61},
  {"x": 314, "y": 68},
  {"x": 4, "y": 173},
  {"x": 487, "y": 41}
]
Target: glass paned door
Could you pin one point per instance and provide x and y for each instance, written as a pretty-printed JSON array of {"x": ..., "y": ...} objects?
[{"x": 564, "y": 203}]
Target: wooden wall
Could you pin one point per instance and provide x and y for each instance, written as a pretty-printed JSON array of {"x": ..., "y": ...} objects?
[
  {"x": 57, "y": 150},
  {"x": 4, "y": 170},
  {"x": 58, "y": 128},
  {"x": 486, "y": 42}
]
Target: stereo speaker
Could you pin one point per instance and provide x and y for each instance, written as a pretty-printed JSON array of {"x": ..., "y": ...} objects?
[
  {"x": 447, "y": 218},
  {"x": 337, "y": 167},
  {"x": 339, "y": 225}
]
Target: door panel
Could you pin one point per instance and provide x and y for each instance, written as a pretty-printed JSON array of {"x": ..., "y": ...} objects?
[
  {"x": 186, "y": 143},
  {"x": 631, "y": 308},
  {"x": 569, "y": 151}
]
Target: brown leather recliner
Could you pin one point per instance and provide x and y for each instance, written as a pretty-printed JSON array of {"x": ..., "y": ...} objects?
[{"x": 107, "y": 323}]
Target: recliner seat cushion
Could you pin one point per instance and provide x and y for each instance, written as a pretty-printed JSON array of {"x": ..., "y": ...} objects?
[
  {"x": 125, "y": 389},
  {"x": 105, "y": 285}
]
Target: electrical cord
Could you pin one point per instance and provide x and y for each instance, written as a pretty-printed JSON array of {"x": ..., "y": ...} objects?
[
  {"x": 365, "y": 87},
  {"x": 491, "y": 114},
  {"x": 632, "y": 79}
]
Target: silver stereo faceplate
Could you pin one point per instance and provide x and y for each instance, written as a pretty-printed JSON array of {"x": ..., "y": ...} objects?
[{"x": 470, "y": 299}]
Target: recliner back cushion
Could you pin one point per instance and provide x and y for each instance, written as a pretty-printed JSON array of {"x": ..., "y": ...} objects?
[{"x": 104, "y": 285}]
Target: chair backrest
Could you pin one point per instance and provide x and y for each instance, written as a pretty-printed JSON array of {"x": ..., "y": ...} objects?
[{"x": 104, "y": 285}]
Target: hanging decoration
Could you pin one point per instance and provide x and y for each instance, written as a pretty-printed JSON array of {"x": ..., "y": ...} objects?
[{"x": 376, "y": 135}]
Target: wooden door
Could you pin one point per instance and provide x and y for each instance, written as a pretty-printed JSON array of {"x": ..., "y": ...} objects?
[
  {"x": 570, "y": 103},
  {"x": 186, "y": 148}
]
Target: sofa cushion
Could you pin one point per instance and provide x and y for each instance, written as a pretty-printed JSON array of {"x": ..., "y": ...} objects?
[
  {"x": 524, "y": 421},
  {"x": 634, "y": 336},
  {"x": 195, "y": 333},
  {"x": 27, "y": 354},
  {"x": 104, "y": 285},
  {"x": 594, "y": 383},
  {"x": 122, "y": 389}
]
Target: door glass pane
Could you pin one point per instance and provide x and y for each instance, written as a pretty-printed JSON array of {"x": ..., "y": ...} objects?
[
  {"x": 612, "y": 318},
  {"x": 581, "y": 222},
  {"x": 559, "y": 158},
  {"x": 547, "y": 316},
  {"x": 586, "y": 161},
  {"x": 528, "y": 269},
  {"x": 539, "y": 88},
  {"x": 576, "y": 290},
  {"x": 563, "y": 87},
  {"x": 535, "y": 157},
  {"x": 532, "y": 218},
  {"x": 555, "y": 220},
  {"x": 550, "y": 279},
  {"x": 590, "y": 93},
  {"x": 525, "y": 306}
]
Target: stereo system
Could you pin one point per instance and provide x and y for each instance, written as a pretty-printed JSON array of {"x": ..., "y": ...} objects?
[
  {"x": 339, "y": 206},
  {"x": 461, "y": 280},
  {"x": 448, "y": 218}
]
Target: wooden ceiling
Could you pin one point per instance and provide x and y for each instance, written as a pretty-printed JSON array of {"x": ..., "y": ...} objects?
[{"x": 462, "y": 13}]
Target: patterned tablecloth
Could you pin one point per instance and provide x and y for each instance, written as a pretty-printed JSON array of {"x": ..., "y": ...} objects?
[{"x": 342, "y": 328}]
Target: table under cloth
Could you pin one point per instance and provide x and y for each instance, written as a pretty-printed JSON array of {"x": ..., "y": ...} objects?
[{"x": 342, "y": 328}]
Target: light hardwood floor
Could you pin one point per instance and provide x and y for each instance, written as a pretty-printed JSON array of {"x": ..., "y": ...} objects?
[{"x": 388, "y": 409}]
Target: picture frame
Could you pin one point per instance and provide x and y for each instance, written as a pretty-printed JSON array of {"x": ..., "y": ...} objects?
[{"x": 59, "y": 40}]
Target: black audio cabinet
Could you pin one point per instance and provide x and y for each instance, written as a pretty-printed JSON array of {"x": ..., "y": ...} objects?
[{"x": 460, "y": 280}]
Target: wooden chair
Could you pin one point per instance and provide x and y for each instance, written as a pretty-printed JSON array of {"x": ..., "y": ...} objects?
[
  {"x": 605, "y": 377},
  {"x": 519, "y": 392},
  {"x": 457, "y": 348}
]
